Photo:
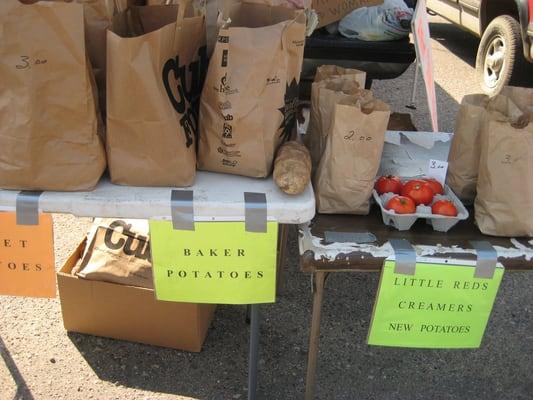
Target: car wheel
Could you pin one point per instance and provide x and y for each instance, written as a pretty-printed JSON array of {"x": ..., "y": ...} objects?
[{"x": 499, "y": 60}]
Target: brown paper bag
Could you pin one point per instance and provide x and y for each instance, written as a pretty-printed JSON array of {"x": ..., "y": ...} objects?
[
  {"x": 463, "y": 159},
  {"x": 345, "y": 176},
  {"x": 249, "y": 101},
  {"x": 324, "y": 95},
  {"x": 331, "y": 71},
  {"x": 156, "y": 66},
  {"x": 48, "y": 119},
  {"x": 118, "y": 251},
  {"x": 98, "y": 16},
  {"x": 504, "y": 202}
]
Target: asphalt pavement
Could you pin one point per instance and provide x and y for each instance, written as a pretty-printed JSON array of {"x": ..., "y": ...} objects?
[{"x": 42, "y": 361}]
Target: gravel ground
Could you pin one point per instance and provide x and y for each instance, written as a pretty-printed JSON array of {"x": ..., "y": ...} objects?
[{"x": 42, "y": 361}]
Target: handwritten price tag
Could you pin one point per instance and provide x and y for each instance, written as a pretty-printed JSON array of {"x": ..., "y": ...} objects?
[{"x": 437, "y": 169}]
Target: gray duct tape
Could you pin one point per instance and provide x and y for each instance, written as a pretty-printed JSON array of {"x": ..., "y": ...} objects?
[
  {"x": 405, "y": 256},
  {"x": 255, "y": 212},
  {"x": 182, "y": 210},
  {"x": 27, "y": 205},
  {"x": 349, "y": 237},
  {"x": 487, "y": 258}
]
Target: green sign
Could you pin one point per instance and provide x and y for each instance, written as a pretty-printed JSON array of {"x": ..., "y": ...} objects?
[
  {"x": 219, "y": 262},
  {"x": 441, "y": 306}
]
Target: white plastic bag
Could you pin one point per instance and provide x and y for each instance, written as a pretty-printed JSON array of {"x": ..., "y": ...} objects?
[{"x": 389, "y": 21}]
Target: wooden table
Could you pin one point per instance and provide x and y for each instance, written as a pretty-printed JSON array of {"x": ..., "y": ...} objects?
[{"x": 320, "y": 257}]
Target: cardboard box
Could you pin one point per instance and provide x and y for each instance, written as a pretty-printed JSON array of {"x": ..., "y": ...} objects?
[
  {"x": 333, "y": 10},
  {"x": 129, "y": 313}
]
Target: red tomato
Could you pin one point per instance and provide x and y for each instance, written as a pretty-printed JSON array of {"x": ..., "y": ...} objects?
[
  {"x": 401, "y": 205},
  {"x": 389, "y": 183},
  {"x": 435, "y": 185},
  {"x": 409, "y": 184},
  {"x": 419, "y": 191},
  {"x": 444, "y": 207}
]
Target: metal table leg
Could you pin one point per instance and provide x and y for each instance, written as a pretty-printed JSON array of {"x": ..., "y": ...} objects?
[
  {"x": 254, "y": 351},
  {"x": 282, "y": 249},
  {"x": 318, "y": 296}
]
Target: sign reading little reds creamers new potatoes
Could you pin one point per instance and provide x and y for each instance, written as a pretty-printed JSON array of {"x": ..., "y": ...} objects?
[
  {"x": 441, "y": 306},
  {"x": 218, "y": 262}
]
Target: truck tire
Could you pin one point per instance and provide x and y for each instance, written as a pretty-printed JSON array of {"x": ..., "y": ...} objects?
[{"x": 499, "y": 60}]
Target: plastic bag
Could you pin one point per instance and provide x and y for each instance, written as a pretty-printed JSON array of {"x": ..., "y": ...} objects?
[{"x": 389, "y": 21}]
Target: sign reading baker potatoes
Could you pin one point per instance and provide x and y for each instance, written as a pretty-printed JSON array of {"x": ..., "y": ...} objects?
[
  {"x": 441, "y": 306},
  {"x": 218, "y": 262},
  {"x": 27, "y": 257}
]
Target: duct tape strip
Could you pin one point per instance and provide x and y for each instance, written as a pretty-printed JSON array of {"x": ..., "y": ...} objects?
[
  {"x": 405, "y": 256},
  {"x": 349, "y": 237},
  {"x": 27, "y": 207},
  {"x": 255, "y": 212},
  {"x": 487, "y": 258},
  {"x": 182, "y": 210}
]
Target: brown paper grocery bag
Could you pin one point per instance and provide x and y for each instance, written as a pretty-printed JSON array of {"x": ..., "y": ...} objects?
[
  {"x": 463, "y": 159},
  {"x": 118, "y": 251},
  {"x": 48, "y": 119},
  {"x": 504, "y": 202},
  {"x": 156, "y": 65},
  {"x": 345, "y": 176},
  {"x": 325, "y": 93},
  {"x": 249, "y": 100},
  {"x": 331, "y": 71}
]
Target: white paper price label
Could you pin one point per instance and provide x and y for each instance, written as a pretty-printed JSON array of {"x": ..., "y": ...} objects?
[{"x": 437, "y": 169}]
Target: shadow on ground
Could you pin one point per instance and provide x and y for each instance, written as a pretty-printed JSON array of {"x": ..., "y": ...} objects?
[
  {"x": 458, "y": 41},
  {"x": 347, "y": 367}
]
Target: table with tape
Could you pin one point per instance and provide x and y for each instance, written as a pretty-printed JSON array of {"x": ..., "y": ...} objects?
[
  {"x": 423, "y": 272},
  {"x": 433, "y": 284},
  {"x": 223, "y": 228}
]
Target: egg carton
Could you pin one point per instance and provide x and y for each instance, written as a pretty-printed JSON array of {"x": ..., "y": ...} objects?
[{"x": 440, "y": 223}]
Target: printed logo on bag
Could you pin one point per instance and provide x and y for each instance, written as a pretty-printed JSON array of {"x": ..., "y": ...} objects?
[
  {"x": 227, "y": 131},
  {"x": 224, "y": 62},
  {"x": 229, "y": 163},
  {"x": 225, "y": 87},
  {"x": 119, "y": 236},
  {"x": 184, "y": 99},
  {"x": 273, "y": 80},
  {"x": 289, "y": 110},
  {"x": 229, "y": 154},
  {"x": 227, "y": 144},
  {"x": 223, "y": 39},
  {"x": 225, "y": 105},
  {"x": 298, "y": 43}
]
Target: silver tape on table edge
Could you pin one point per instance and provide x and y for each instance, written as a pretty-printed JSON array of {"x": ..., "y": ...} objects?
[
  {"x": 27, "y": 207},
  {"x": 255, "y": 212},
  {"x": 182, "y": 210},
  {"x": 405, "y": 256},
  {"x": 487, "y": 258}
]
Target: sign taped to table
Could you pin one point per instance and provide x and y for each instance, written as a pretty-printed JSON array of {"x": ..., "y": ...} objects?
[
  {"x": 27, "y": 257},
  {"x": 218, "y": 262},
  {"x": 440, "y": 306}
]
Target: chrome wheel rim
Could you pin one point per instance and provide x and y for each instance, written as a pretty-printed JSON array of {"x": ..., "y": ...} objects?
[{"x": 494, "y": 61}]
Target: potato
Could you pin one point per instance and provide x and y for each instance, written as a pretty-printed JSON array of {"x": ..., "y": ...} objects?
[{"x": 292, "y": 168}]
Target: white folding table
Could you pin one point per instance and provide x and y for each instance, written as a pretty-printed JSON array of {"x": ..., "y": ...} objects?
[{"x": 217, "y": 197}]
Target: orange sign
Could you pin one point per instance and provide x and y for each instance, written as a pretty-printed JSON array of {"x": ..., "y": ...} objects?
[{"x": 27, "y": 257}]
